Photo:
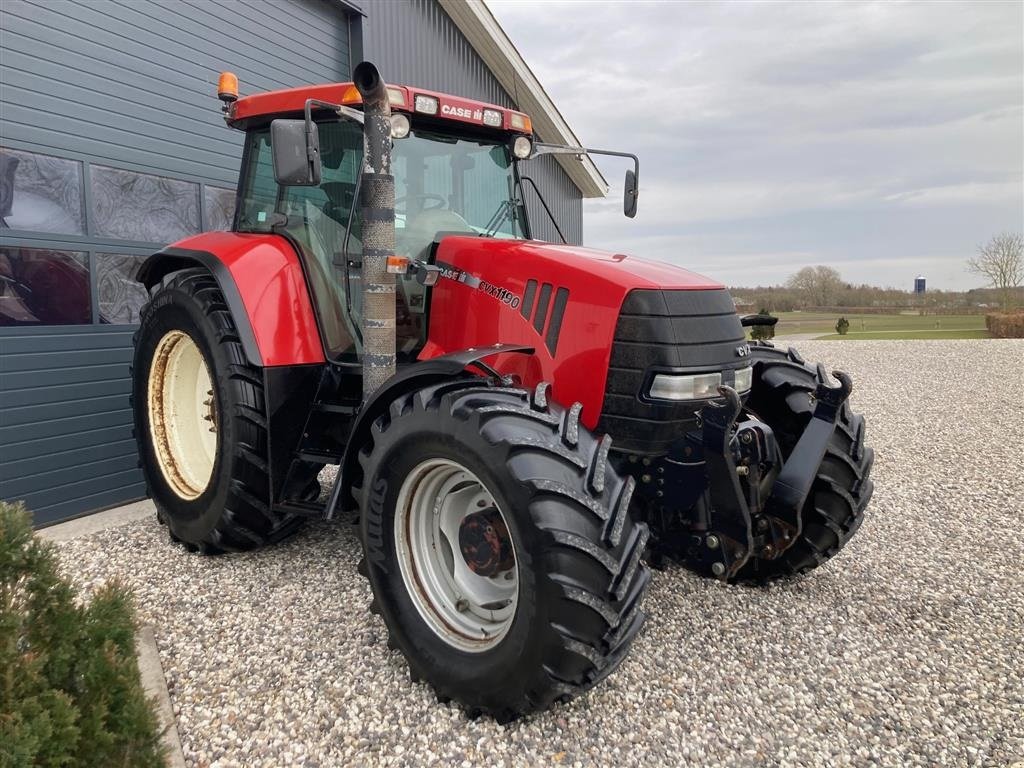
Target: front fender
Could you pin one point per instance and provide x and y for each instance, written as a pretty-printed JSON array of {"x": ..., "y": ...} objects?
[
  {"x": 415, "y": 376},
  {"x": 264, "y": 287}
]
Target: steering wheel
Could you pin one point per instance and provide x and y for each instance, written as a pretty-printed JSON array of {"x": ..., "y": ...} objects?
[
  {"x": 442, "y": 203},
  {"x": 340, "y": 199}
]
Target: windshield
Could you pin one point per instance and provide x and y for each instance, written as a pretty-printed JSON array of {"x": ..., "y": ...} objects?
[{"x": 448, "y": 184}]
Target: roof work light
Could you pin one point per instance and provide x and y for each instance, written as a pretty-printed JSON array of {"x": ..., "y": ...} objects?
[
  {"x": 522, "y": 147},
  {"x": 426, "y": 104}
]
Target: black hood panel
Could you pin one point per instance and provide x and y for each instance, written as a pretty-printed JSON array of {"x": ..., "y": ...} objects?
[{"x": 659, "y": 332}]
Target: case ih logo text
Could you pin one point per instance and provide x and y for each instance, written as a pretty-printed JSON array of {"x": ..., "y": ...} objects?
[
  {"x": 469, "y": 114},
  {"x": 504, "y": 295}
]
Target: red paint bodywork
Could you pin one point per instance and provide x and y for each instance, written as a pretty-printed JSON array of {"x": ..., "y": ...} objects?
[
  {"x": 462, "y": 316},
  {"x": 292, "y": 101},
  {"x": 271, "y": 282},
  {"x": 270, "y": 279}
]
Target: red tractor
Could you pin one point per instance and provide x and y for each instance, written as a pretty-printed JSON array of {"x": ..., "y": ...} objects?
[{"x": 519, "y": 426}]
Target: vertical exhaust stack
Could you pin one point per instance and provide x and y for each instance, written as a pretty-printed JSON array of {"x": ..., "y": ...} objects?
[{"x": 377, "y": 209}]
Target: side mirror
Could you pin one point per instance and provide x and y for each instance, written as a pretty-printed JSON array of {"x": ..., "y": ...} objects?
[
  {"x": 295, "y": 148},
  {"x": 629, "y": 196}
]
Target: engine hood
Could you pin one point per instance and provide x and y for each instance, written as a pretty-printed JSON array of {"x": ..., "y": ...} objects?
[
  {"x": 617, "y": 268},
  {"x": 564, "y": 301}
]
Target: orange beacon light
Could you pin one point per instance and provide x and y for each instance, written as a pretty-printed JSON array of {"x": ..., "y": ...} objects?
[{"x": 227, "y": 87}]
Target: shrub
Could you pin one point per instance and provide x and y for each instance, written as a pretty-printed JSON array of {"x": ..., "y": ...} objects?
[
  {"x": 1006, "y": 325},
  {"x": 842, "y": 326},
  {"x": 70, "y": 693},
  {"x": 762, "y": 332}
]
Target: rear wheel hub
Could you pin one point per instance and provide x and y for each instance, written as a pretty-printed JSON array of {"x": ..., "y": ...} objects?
[
  {"x": 182, "y": 414},
  {"x": 456, "y": 556},
  {"x": 485, "y": 544}
]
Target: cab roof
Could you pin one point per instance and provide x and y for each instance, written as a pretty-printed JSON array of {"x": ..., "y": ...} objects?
[{"x": 402, "y": 97}]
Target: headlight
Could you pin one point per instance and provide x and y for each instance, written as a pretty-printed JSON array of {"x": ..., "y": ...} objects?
[
  {"x": 399, "y": 125},
  {"x": 667, "y": 386},
  {"x": 744, "y": 379},
  {"x": 522, "y": 147}
]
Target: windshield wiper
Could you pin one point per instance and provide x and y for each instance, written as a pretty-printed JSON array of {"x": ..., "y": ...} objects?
[{"x": 499, "y": 217}]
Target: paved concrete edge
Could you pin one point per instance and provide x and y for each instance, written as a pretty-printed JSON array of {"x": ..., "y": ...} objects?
[
  {"x": 100, "y": 521},
  {"x": 155, "y": 685}
]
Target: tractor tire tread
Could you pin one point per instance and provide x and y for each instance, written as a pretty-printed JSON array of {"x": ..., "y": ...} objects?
[
  {"x": 517, "y": 422},
  {"x": 248, "y": 520},
  {"x": 842, "y": 488}
]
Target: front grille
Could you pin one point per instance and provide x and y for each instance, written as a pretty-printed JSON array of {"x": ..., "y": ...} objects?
[{"x": 662, "y": 331}]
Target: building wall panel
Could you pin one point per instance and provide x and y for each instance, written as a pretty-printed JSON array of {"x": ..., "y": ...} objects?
[
  {"x": 129, "y": 85},
  {"x": 134, "y": 83}
]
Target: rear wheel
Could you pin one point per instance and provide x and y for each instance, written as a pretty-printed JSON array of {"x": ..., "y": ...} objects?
[
  {"x": 200, "y": 420},
  {"x": 781, "y": 397},
  {"x": 499, "y": 546}
]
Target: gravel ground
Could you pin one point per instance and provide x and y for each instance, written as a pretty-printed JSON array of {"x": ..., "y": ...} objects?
[{"x": 906, "y": 649}]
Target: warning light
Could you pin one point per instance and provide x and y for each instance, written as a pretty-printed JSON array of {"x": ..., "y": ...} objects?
[
  {"x": 227, "y": 87},
  {"x": 520, "y": 122},
  {"x": 398, "y": 265},
  {"x": 396, "y": 96},
  {"x": 351, "y": 96}
]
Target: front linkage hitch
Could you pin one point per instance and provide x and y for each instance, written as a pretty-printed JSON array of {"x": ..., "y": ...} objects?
[{"x": 753, "y": 500}]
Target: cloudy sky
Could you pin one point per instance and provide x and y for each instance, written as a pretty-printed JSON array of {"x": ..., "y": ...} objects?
[{"x": 883, "y": 139}]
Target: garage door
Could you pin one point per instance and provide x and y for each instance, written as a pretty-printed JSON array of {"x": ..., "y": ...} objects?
[{"x": 111, "y": 146}]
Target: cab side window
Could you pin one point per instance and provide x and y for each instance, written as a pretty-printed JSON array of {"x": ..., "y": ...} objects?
[
  {"x": 259, "y": 190},
  {"x": 317, "y": 218}
]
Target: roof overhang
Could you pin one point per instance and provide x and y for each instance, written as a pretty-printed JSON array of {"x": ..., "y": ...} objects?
[{"x": 475, "y": 20}]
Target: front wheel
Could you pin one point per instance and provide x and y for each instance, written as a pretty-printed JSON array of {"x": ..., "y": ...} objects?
[
  {"x": 201, "y": 422},
  {"x": 499, "y": 546},
  {"x": 834, "y": 510}
]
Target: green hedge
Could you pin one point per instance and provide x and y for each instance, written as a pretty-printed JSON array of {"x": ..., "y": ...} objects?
[
  {"x": 1006, "y": 325},
  {"x": 762, "y": 332},
  {"x": 70, "y": 693}
]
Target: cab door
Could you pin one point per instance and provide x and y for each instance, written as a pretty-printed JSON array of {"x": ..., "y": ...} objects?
[{"x": 321, "y": 222}]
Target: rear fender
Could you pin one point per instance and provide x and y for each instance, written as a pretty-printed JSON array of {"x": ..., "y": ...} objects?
[
  {"x": 264, "y": 286},
  {"x": 411, "y": 377}
]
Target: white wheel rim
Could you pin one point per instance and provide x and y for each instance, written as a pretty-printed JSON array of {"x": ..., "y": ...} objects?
[
  {"x": 469, "y": 611},
  {"x": 182, "y": 414}
]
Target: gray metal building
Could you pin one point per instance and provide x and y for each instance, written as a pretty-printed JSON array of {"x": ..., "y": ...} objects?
[{"x": 111, "y": 145}]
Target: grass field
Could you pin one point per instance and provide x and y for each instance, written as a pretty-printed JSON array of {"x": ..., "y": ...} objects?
[
  {"x": 884, "y": 326},
  {"x": 934, "y": 334}
]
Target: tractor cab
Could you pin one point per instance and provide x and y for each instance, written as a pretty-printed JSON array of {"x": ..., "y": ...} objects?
[
  {"x": 453, "y": 161},
  {"x": 455, "y": 164}
]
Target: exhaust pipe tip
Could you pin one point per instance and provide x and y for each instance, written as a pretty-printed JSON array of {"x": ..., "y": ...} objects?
[{"x": 368, "y": 82}]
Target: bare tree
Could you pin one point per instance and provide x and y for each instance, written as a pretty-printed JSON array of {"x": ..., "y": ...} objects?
[
  {"x": 820, "y": 286},
  {"x": 1001, "y": 261}
]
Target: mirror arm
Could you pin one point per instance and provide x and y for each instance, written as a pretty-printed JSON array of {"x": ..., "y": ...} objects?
[
  {"x": 342, "y": 111},
  {"x": 312, "y": 145},
  {"x": 539, "y": 148}
]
